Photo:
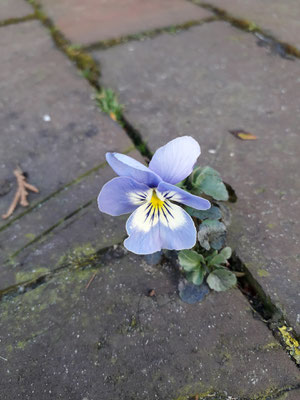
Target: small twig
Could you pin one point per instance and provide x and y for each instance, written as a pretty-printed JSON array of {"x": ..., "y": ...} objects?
[
  {"x": 21, "y": 193},
  {"x": 91, "y": 280}
]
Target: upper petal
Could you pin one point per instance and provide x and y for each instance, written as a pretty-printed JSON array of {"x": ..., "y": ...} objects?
[
  {"x": 122, "y": 195},
  {"x": 127, "y": 166},
  {"x": 174, "y": 193},
  {"x": 175, "y": 161}
]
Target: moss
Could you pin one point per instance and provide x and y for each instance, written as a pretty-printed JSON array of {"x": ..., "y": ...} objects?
[
  {"x": 11, "y": 21},
  {"x": 23, "y": 276},
  {"x": 149, "y": 34},
  {"x": 76, "y": 54},
  {"x": 268, "y": 394},
  {"x": 21, "y": 345},
  {"x": 24, "y": 315},
  {"x": 262, "y": 273},
  {"x": 30, "y": 236},
  {"x": 292, "y": 345},
  {"x": 249, "y": 26},
  {"x": 271, "y": 346}
]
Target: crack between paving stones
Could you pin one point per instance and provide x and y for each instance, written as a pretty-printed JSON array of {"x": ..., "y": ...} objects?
[
  {"x": 93, "y": 261},
  {"x": 264, "y": 308},
  {"x": 49, "y": 230},
  {"x": 88, "y": 67},
  {"x": 17, "y": 20},
  {"x": 148, "y": 34},
  {"x": 262, "y": 305},
  {"x": 58, "y": 191},
  {"x": 269, "y": 394},
  {"x": 283, "y": 49}
]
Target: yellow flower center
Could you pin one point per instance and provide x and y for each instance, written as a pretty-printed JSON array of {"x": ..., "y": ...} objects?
[{"x": 155, "y": 201}]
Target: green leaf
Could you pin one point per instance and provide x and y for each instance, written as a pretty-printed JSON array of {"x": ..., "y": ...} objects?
[
  {"x": 213, "y": 213},
  {"x": 218, "y": 259},
  {"x": 190, "y": 260},
  {"x": 226, "y": 252},
  {"x": 221, "y": 280},
  {"x": 207, "y": 180},
  {"x": 196, "y": 276},
  {"x": 212, "y": 233}
]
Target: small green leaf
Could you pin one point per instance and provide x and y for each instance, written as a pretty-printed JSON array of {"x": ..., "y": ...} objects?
[
  {"x": 212, "y": 233},
  {"x": 190, "y": 260},
  {"x": 218, "y": 259},
  {"x": 221, "y": 280},
  {"x": 226, "y": 252},
  {"x": 212, "y": 213},
  {"x": 207, "y": 180},
  {"x": 196, "y": 276}
]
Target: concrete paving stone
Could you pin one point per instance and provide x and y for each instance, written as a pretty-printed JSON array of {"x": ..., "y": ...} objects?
[
  {"x": 280, "y": 18},
  {"x": 63, "y": 340},
  {"x": 50, "y": 126},
  {"x": 292, "y": 395},
  {"x": 214, "y": 79},
  {"x": 95, "y": 20},
  {"x": 84, "y": 231},
  {"x": 14, "y": 9}
]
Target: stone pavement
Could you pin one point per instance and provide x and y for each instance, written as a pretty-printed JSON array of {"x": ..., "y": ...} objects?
[{"x": 76, "y": 318}]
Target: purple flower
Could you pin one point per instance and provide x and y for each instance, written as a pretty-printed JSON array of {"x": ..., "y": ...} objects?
[{"x": 148, "y": 193}]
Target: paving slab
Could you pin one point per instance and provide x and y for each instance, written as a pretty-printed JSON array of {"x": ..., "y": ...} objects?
[
  {"x": 48, "y": 120},
  {"x": 280, "y": 18},
  {"x": 14, "y": 9},
  {"x": 65, "y": 340},
  {"x": 292, "y": 395},
  {"x": 215, "y": 79},
  {"x": 52, "y": 129},
  {"x": 93, "y": 20}
]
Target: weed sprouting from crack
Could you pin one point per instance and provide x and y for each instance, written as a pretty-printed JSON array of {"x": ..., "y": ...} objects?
[{"x": 108, "y": 102}]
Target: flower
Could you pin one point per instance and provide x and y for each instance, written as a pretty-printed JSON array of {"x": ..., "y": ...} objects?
[{"x": 148, "y": 193}]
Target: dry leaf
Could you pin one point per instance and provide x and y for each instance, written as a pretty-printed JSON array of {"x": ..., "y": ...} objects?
[
  {"x": 240, "y": 134},
  {"x": 21, "y": 193},
  {"x": 113, "y": 116}
]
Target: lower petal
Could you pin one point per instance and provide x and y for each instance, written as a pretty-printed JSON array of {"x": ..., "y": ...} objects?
[
  {"x": 144, "y": 242},
  {"x": 173, "y": 230},
  {"x": 180, "y": 233}
]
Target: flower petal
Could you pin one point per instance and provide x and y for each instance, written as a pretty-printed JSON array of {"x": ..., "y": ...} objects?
[
  {"x": 122, "y": 195},
  {"x": 127, "y": 166},
  {"x": 174, "y": 193},
  {"x": 175, "y": 161},
  {"x": 171, "y": 229}
]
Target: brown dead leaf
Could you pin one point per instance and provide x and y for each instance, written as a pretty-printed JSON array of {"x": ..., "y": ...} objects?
[
  {"x": 113, "y": 116},
  {"x": 21, "y": 193},
  {"x": 240, "y": 134}
]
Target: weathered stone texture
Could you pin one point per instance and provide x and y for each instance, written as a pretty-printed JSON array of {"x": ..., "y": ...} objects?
[
  {"x": 53, "y": 130},
  {"x": 215, "y": 79},
  {"x": 63, "y": 340},
  {"x": 280, "y": 18},
  {"x": 93, "y": 20},
  {"x": 14, "y": 9}
]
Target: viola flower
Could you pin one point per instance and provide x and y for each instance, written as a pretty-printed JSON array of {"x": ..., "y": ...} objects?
[{"x": 149, "y": 194}]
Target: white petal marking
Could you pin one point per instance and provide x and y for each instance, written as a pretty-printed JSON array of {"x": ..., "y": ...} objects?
[
  {"x": 138, "y": 198},
  {"x": 151, "y": 212}
]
